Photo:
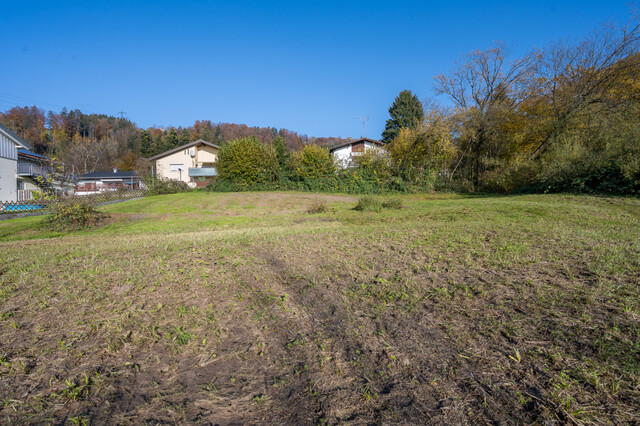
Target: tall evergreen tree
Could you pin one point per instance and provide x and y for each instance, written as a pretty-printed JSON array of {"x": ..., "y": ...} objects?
[
  {"x": 185, "y": 138},
  {"x": 406, "y": 111},
  {"x": 147, "y": 145},
  {"x": 171, "y": 139},
  {"x": 218, "y": 138}
]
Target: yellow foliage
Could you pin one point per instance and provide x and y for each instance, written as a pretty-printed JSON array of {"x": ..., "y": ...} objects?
[{"x": 428, "y": 148}]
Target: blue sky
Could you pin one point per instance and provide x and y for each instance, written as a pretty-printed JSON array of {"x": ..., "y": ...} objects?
[{"x": 308, "y": 66}]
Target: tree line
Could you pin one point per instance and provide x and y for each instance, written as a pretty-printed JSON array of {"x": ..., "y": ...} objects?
[
  {"x": 93, "y": 142},
  {"x": 562, "y": 118}
]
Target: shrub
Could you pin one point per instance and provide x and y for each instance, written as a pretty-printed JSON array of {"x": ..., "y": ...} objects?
[
  {"x": 247, "y": 162},
  {"x": 313, "y": 162},
  {"x": 375, "y": 164},
  {"x": 318, "y": 206},
  {"x": 392, "y": 204},
  {"x": 368, "y": 204},
  {"x": 418, "y": 154},
  {"x": 73, "y": 213},
  {"x": 168, "y": 186}
]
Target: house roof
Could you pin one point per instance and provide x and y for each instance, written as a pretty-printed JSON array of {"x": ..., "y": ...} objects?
[
  {"x": 32, "y": 154},
  {"x": 373, "y": 141},
  {"x": 188, "y": 145},
  {"x": 16, "y": 139},
  {"x": 108, "y": 175}
]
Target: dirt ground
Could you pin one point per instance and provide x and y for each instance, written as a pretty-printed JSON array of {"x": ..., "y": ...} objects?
[{"x": 389, "y": 321}]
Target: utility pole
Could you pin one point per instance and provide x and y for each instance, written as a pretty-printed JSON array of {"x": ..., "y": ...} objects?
[
  {"x": 364, "y": 118},
  {"x": 122, "y": 114}
]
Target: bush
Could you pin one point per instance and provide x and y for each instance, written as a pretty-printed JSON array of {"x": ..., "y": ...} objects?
[
  {"x": 374, "y": 164},
  {"x": 368, "y": 204},
  {"x": 73, "y": 213},
  {"x": 247, "y": 162},
  {"x": 318, "y": 206},
  {"x": 313, "y": 162},
  {"x": 392, "y": 204},
  {"x": 168, "y": 186}
]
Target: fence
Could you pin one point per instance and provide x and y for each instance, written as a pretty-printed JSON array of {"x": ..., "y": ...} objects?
[
  {"x": 41, "y": 205},
  {"x": 22, "y": 206},
  {"x": 106, "y": 196},
  {"x": 24, "y": 195}
]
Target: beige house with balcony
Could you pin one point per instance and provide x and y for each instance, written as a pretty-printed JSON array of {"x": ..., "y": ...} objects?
[{"x": 191, "y": 163}]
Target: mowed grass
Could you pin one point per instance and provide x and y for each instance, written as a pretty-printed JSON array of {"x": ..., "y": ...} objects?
[{"x": 244, "y": 308}]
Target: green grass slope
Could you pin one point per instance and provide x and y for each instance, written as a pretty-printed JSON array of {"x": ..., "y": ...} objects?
[{"x": 244, "y": 308}]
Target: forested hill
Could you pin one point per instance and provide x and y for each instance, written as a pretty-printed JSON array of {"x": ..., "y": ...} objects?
[{"x": 108, "y": 141}]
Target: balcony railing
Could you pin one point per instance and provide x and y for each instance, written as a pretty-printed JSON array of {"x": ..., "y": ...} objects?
[
  {"x": 30, "y": 169},
  {"x": 24, "y": 195},
  {"x": 202, "y": 171}
]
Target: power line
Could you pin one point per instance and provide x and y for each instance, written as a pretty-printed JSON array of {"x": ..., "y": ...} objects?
[
  {"x": 22, "y": 98},
  {"x": 15, "y": 99}
]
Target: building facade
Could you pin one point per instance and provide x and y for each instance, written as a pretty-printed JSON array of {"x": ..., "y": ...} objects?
[
  {"x": 10, "y": 143},
  {"x": 345, "y": 154},
  {"x": 97, "y": 182},
  {"x": 190, "y": 163}
]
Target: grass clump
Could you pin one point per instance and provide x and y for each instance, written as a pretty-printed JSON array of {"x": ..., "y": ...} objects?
[
  {"x": 72, "y": 214},
  {"x": 372, "y": 204},
  {"x": 318, "y": 206},
  {"x": 368, "y": 204},
  {"x": 392, "y": 204}
]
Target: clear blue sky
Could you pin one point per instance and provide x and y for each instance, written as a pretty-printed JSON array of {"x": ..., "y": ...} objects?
[{"x": 308, "y": 66}]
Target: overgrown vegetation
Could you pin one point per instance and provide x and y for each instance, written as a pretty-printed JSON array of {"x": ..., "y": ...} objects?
[
  {"x": 312, "y": 169},
  {"x": 368, "y": 204},
  {"x": 166, "y": 186},
  {"x": 563, "y": 118},
  {"x": 73, "y": 213},
  {"x": 318, "y": 206}
]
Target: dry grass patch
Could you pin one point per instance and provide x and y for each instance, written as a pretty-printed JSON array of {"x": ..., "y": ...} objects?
[{"x": 451, "y": 311}]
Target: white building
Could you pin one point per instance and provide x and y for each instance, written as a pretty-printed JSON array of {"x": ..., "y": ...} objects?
[
  {"x": 343, "y": 155},
  {"x": 97, "y": 182},
  {"x": 9, "y": 145}
]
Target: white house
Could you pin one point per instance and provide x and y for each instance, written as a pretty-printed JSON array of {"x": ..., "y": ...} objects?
[
  {"x": 192, "y": 163},
  {"x": 97, "y": 182},
  {"x": 9, "y": 145},
  {"x": 343, "y": 155}
]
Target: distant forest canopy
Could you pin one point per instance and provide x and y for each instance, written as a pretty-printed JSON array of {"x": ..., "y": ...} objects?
[{"x": 91, "y": 142}]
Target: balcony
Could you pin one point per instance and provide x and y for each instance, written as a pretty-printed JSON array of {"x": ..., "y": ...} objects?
[
  {"x": 202, "y": 171},
  {"x": 33, "y": 170}
]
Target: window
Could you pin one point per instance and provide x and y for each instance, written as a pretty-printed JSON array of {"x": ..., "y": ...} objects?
[{"x": 176, "y": 167}]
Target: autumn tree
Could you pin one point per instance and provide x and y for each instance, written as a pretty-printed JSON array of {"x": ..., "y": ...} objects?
[
  {"x": 484, "y": 88},
  {"x": 580, "y": 77},
  {"x": 28, "y": 123},
  {"x": 406, "y": 111},
  {"x": 419, "y": 153},
  {"x": 86, "y": 155}
]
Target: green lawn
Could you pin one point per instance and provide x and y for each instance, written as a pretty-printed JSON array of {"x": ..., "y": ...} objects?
[{"x": 244, "y": 308}]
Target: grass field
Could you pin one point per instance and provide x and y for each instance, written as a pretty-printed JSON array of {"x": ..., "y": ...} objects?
[{"x": 245, "y": 308}]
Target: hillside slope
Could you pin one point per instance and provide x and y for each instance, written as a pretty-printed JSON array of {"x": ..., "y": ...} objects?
[{"x": 244, "y": 308}]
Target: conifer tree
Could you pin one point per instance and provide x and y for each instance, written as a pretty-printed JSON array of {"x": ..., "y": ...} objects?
[{"x": 406, "y": 111}]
